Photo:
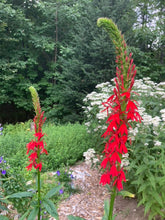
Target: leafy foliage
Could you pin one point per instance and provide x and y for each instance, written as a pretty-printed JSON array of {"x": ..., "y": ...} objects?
[
  {"x": 65, "y": 144},
  {"x": 57, "y": 48}
]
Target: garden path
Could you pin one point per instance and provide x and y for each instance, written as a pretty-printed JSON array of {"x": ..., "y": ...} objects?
[{"x": 89, "y": 202}]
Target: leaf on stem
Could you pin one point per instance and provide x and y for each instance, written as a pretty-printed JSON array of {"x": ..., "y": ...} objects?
[
  {"x": 53, "y": 191},
  {"x": 33, "y": 214},
  {"x": 106, "y": 210},
  {"x": 49, "y": 206},
  {"x": 24, "y": 215},
  {"x": 20, "y": 195},
  {"x": 126, "y": 194}
]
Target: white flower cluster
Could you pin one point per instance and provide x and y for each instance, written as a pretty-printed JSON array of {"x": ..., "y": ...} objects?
[
  {"x": 125, "y": 161},
  {"x": 90, "y": 157}
]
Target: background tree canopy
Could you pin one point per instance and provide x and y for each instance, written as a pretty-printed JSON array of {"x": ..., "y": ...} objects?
[{"x": 56, "y": 46}]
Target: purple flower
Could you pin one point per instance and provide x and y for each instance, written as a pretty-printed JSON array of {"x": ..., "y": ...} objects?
[
  {"x": 71, "y": 176},
  {"x": 4, "y": 161},
  {"x": 3, "y": 172},
  {"x": 61, "y": 191},
  {"x": 1, "y": 128},
  {"x": 58, "y": 173}
]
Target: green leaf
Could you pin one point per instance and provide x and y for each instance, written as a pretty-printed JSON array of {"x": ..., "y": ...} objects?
[
  {"x": 3, "y": 217},
  {"x": 24, "y": 215},
  {"x": 3, "y": 207},
  {"x": 53, "y": 191},
  {"x": 71, "y": 217},
  {"x": 141, "y": 202},
  {"x": 157, "y": 198},
  {"x": 141, "y": 169},
  {"x": 33, "y": 214},
  {"x": 152, "y": 180},
  {"x": 106, "y": 208},
  {"x": 143, "y": 187},
  {"x": 49, "y": 206},
  {"x": 108, "y": 187},
  {"x": 113, "y": 217},
  {"x": 20, "y": 195},
  {"x": 126, "y": 194},
  {"x": 147, "y": 207}
]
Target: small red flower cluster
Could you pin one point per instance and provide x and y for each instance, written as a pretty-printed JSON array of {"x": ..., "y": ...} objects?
[
  {"x": 37, "y": 145},
  {"x": 123, "y": 110}
]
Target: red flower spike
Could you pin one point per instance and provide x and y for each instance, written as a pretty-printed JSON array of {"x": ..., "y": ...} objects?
[
  {"x": 122, "y": 110},
  {"x": 37, "y": 146}
]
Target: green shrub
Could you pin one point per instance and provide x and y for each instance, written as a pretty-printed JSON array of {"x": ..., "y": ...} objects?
[{"x": 65, "y": 144}]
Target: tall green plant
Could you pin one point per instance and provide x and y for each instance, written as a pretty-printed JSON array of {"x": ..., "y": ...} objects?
[{"x": 36, "y": 148}]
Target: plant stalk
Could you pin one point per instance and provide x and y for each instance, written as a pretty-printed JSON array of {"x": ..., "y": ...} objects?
[
  {"x": 39, "y": 196},
  {"x": 113, "y": 195}
]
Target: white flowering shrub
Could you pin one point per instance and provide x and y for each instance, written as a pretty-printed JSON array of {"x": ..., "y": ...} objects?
[
  {"x": 90, "y": 157},
  {"x": 146, "y": 161}
]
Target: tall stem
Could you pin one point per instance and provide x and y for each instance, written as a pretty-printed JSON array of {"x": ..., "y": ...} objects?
[
  {"x": 113, "y": 195},
  {"x": 39, "y": 196}
]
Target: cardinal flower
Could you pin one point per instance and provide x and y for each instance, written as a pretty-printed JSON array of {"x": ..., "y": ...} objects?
[
  {"x": 120, "y": 108},
  {"x": 37, "y": 146}
]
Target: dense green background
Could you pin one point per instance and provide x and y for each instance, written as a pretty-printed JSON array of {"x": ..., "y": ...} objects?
[{"x": 56, "y": 46}]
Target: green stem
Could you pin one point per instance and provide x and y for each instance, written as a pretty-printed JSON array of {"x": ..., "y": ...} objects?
[
  {"x": 113, "y": 195},
  {"x": 39, "y": 196}
]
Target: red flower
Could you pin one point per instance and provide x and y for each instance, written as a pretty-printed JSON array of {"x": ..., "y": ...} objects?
[
  {"x": 104, "y": 162},
  {"x": 29, "y": 167},
  {"x": 33, "y": 157},
  {"x": 105, "y": 179},
  {"x": 123, "y": 129},
  {"x": 30, "y": 146},
  {"x": 39, "y": 166},
  {"x": 113, "y": 171},
  {"x": 115, "y": 157},
  {"x": 120, "y": 178},
  {"x": 39, "y": 135},
  {"x": 131, "y": 107}
]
